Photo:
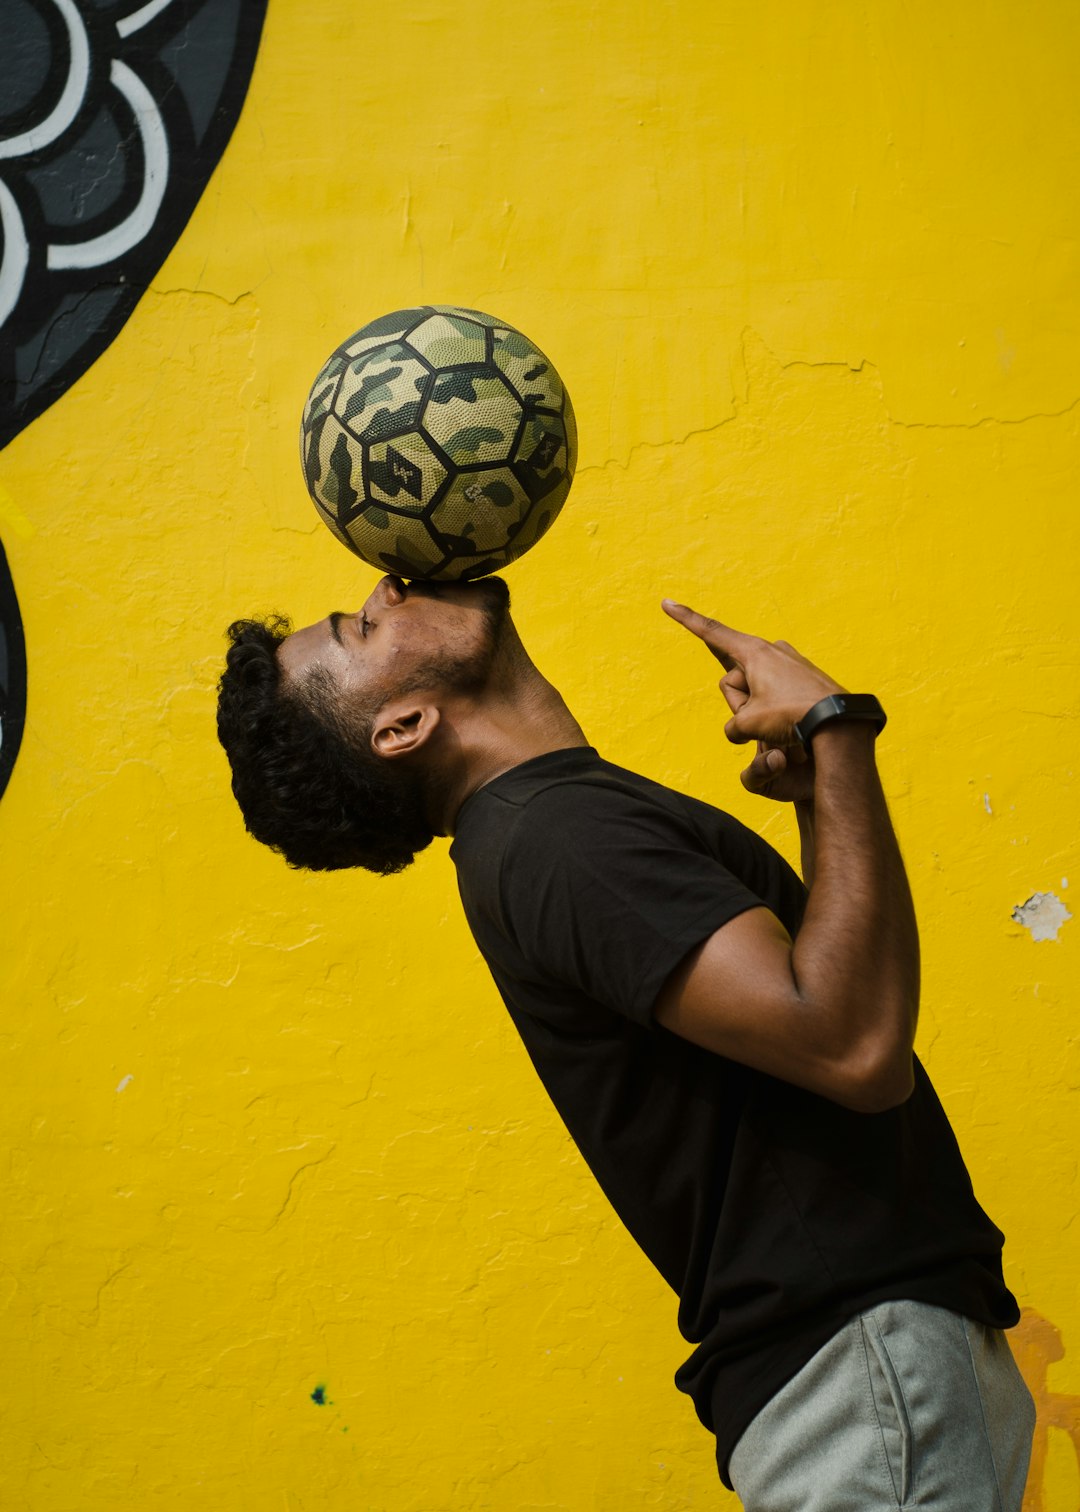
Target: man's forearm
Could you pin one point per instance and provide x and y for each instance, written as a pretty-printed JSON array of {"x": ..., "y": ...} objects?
[
  {"x": 856, "y": 957},
  {"x": 804, "y": 813},
  {"x": 835, "y": 1010}
]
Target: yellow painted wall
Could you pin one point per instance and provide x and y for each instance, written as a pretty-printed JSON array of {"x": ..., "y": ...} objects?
[{"x": 811, "y": 273}]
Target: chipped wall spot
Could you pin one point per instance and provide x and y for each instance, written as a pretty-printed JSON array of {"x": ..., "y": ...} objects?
[
  {"x": 1043, "y": 914},
  {"x": 986, "y": 803},
  {"x": 124, "y": 1081}
]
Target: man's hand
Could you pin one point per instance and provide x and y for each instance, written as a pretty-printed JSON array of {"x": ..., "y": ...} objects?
[
  {"x": 768, "y": 687},
  {"x": 783, "y": 773}
]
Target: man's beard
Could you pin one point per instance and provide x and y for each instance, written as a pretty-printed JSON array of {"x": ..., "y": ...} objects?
[
  {"x": 469, "y": 672},
  {"x": 491, "y": 592}
]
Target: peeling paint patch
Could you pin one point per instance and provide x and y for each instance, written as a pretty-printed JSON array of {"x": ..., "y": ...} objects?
[
  {"x": 1043, "y": 914},
  {"x": 986, "y": 803},
  {"x": 124, "y": 1081}
]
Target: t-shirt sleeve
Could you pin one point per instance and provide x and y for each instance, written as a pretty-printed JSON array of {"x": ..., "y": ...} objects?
[{"x": 605, "y": 893}]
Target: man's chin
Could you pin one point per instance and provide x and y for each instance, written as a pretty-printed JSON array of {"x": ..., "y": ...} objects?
[
  {"x": 489, "y": 591},
  {"x": 493, "y": 589}
]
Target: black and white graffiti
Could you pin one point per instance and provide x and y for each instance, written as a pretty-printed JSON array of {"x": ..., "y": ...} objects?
[
  {"x": 12, "y": 674},
  {"x": 113, "y": 115},
  {"x": 112, "y": 118}
]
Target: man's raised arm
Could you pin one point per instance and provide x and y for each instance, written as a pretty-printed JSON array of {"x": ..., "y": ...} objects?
[{"x": 835, "y": 1010}]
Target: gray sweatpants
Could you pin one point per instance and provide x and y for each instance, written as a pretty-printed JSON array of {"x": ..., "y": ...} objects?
[{"x": 908, "y": 1406}]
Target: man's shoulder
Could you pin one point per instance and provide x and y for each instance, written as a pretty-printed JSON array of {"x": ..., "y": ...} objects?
[
  {"x": 572, "y": 810},
  {"x": 558, "y": 789}
]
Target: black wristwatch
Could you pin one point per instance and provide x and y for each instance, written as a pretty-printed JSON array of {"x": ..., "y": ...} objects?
[{"x": 840, "y": 706}]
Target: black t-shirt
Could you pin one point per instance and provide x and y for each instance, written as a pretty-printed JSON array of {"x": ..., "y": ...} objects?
[{"x": 774, "y": 1213}]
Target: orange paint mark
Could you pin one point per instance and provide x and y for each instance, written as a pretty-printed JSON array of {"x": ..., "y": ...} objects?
[{"x": 1036, "y": 1344}]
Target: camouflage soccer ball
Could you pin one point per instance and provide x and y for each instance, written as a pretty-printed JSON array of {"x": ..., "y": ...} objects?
[{"x": 438, "y": 443}]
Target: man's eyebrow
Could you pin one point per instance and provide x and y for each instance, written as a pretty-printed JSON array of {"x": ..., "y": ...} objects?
[{"x": 336, "y": 618}]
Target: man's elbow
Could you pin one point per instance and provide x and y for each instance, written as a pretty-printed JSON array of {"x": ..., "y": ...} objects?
[{"x": 878, "y": 1084}]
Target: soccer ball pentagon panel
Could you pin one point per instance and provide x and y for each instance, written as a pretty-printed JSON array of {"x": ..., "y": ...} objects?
[{"x": 438, "y": 442}]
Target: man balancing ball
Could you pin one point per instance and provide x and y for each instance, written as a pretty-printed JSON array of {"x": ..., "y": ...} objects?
[{"x": 730, "y": 1048}]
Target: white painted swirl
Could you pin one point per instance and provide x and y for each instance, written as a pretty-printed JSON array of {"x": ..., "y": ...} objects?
[
  {"x": 120, "y": 239},
  {"x": 16, "y": 253},
  {"x": 71, "y": 97},
  {"x": 138, "y": 19}
]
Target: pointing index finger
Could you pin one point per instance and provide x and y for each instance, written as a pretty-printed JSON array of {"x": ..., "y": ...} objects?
[{"x": 727, "y": 645}]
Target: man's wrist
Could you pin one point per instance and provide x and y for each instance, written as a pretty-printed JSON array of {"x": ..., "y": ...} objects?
[
  {"x": 862, "y": 708},
  {"x": 804, "y": 815},
  {"x": 841, "y": 743}
]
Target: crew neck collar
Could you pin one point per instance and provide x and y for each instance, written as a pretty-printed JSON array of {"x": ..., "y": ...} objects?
[{"x": 549, "y": 764}]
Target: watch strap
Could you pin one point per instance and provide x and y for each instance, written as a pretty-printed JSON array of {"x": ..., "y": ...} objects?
[{"x": 840, "y": 706}]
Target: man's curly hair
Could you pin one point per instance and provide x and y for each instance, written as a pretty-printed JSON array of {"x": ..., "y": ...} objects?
[{"x": 308, "y": 785}]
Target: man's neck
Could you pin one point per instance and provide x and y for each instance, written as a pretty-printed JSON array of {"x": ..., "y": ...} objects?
[{"x": 497, "y": 735}]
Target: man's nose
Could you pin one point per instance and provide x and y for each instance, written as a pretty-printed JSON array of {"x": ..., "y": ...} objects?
[{"x": 393, "y": 590}]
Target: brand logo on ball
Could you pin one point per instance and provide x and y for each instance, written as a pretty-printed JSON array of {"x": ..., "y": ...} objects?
[
  {"x": 404, "y": 473},
  {"x": 537, "y": 472},
  {"x": 483, "y": 437}
]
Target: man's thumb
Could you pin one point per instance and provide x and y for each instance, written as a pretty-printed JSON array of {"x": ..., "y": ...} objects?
[{"x": 735, "y": 729}]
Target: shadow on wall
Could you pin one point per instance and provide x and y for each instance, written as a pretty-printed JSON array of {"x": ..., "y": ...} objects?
[{"x": 1037, "y": 1345}]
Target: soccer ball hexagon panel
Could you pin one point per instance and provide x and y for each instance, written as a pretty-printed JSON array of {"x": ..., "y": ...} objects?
[{"x": 438, "y": 442}]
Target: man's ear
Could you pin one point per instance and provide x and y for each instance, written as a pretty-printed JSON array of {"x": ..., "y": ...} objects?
[{"x": 403, "y": 728}]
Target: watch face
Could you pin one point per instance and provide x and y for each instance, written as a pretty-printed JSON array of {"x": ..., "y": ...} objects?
[{"x": 840, "y": 706}]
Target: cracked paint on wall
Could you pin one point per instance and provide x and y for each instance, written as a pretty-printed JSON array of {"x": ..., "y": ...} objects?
[
  {"x": 266, "y": 1130},
  {"x": 1042, "y": 915}
]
